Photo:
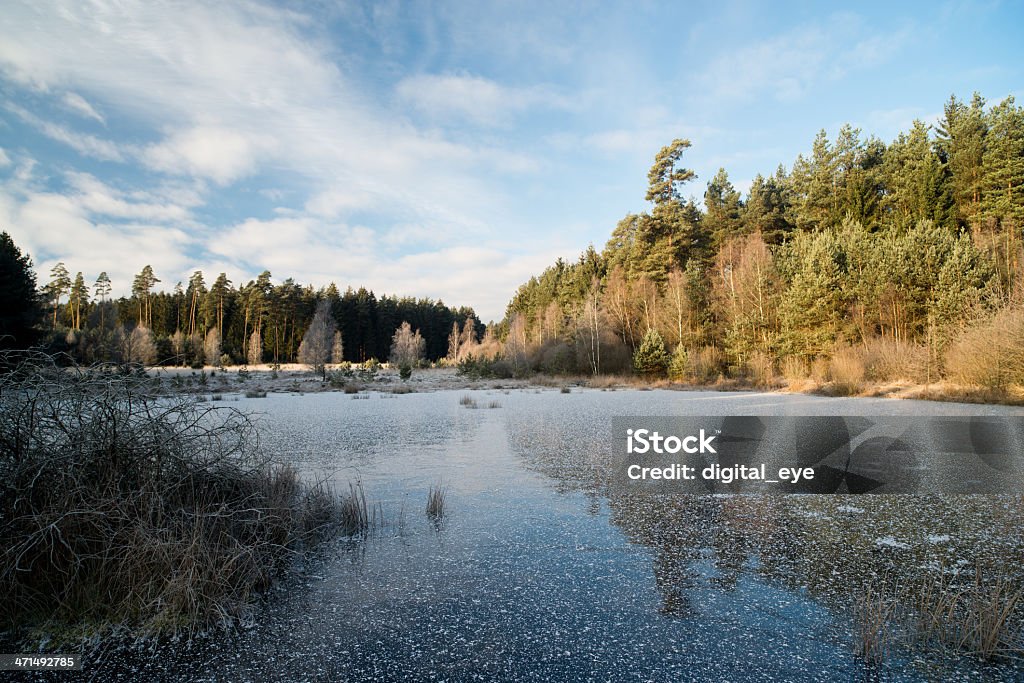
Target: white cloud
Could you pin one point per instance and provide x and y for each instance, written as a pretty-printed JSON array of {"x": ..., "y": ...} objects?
[
  {"x": 220, "y": 154},
  {"x": 476, "y": 99},
  {"x": 100, "y": 199},
  {"x": 788, "y": 66},
  {"x": 5, "y": 160},
  {"x": 53, "y": 228},
  {"x": 77, "y": 104},
  {"x": 87, "y": 145}
]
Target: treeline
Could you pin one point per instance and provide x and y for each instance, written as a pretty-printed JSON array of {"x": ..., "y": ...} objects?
[
  {"x": 259, "y": 321},
  {"x": 894, "y": 249}
]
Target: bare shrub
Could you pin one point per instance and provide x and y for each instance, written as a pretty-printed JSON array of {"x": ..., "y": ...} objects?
[
  {"x": 888, "y": 360},
  {"x": 991, "y": 353},
  {"x": 794, "y": 368},
  {"x": 761, "y": 368},
  {"x": 704, "y": 364},
  {"x": 120, "y": 508},
  {"x": 819, "y": 370},
  {"x": 846, "y": 370}
]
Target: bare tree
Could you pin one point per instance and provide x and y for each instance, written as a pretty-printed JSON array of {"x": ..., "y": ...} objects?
[
  {"x": 178, "y": 347},
  {"x": 212, "y": 347},
  {"x": 406, "y": 349},
  {"x": 590, "y": 329},
  {"x": 315, "y": 349},
  {"x": 455, "y": 344},
  {"x": 255, "y": 348},
  {"x": 515, "y": 343},
  {"x": 337, "y": 349},
  {"x": 135, "y": 346}
]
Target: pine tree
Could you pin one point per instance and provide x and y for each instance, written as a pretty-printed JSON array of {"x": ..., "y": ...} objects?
[
  {"x": 651, "y": 358},
  {"x": 723, "y": 208},
  {"x": 59, "y": 285},
  {"x": 768, "y": 207},
  {"x": 961, "y": 143},
  {"x": 20, "y": 310},
  {"x": 78, "y": 298},
  {"x": 1003, "y": 181},
  {"x": 677, "y": 367}
]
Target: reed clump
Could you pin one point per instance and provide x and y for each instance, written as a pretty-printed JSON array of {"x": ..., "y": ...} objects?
[
  {"x": 119, "y": 507},
  {"x": 436, "y": 498}
]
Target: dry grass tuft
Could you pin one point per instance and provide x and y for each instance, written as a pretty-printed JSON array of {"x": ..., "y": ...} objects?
[
  {"x": 846, "y": 371},
  {"x": 436, "y": 498},
  {"x": 874, "y": 613},
  {"x": 981, "y": 618},
  {"x": 989, "y": 354},
  {"x": 761, "y": 368},
  {"x": 704, "y": 364},
  {"x": 887, "y": 360}
]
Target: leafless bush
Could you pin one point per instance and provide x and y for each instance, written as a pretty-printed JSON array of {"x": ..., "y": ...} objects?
[
  {"x": 794, "y": 368},
  {"x": 846, "y": 370},
  {"x": 989, "y": 354},
  {"x": 761, "y": 367},
  {"x": 887, "y": 360},
  {"x": 121, "y": 507},
  {"x": 704, "y": 364}
]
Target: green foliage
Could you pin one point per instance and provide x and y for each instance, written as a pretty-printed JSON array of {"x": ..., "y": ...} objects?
[
  {"x": 861, "y": 241},
  {"x": 651, "y": 358},
  {"x": 677, "y": 367},
  {"x": 20, "y": 310}
]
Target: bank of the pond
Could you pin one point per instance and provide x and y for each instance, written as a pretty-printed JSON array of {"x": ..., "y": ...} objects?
[{"x": 294, "y": 378}]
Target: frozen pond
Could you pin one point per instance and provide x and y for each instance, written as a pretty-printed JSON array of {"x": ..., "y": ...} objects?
[{"x": 538, "y": 573}]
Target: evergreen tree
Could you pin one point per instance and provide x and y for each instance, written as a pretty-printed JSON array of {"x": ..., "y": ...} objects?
[
  {"x": 20, "y": 310},
  {"x": 651, "y": 358},
  {"x": 677, "y": 366},
  {"x": 961, "y": 142},
  {"x": 1003, "y": 196},
  {"x": 77, "y": 299},
  {"x": 59, "y": 285},
  {"x": 722, "y": 207},
  {"x": 915, "y": 181},
  {"x": 768, "y": 207}
]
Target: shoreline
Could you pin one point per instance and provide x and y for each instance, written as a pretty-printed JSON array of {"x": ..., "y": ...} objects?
[{"x": 297, "y": 378}]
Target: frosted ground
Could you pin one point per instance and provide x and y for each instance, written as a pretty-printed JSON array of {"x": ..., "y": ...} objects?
[{"x": 537, "y": 572}]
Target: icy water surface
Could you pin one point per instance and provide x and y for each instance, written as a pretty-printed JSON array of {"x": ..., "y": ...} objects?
[{"x": 537, "y": 573}]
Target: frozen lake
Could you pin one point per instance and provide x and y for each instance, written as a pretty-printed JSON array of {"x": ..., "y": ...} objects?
[{"x": 539, "y": 573}]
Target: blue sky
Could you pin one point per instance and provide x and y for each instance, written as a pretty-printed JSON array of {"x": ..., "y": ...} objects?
[{"x": 448, "y": 150}]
